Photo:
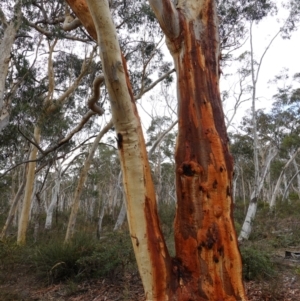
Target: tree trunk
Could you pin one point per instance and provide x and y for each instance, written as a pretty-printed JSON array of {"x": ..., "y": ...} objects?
[
  {"x": 13, "y": 207},
  {"x": 54, "y": 197},
  {"x": 6, "y": 43},
  {"x": 24, "y": 218},
  {"x": 247, "y": 225},
  {"x": 298, "y": 176},
  {"x": 122, "y": 214},
  {"x": 207, "y": 264},
  {"x": 276, "y": 189},
  {"x": 81, "y": 181}
]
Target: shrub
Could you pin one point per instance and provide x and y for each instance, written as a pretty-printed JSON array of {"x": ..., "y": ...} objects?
[
  {"x": 111, "y": 257},
  {"x": 56, "y": 260},
  {"x": 256, "y": 264},
  {"x": 82, "y": 258}
]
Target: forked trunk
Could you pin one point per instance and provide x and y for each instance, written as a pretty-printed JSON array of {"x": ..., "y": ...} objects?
[{"x": 207, "y": 265}]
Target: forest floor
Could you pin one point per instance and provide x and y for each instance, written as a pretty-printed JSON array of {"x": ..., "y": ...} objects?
[{"x": 21, "y": 284}]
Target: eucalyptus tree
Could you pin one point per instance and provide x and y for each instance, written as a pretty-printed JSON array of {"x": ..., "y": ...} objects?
[
  {"x": 253, "y": 12},
  {"x": 10, "y": 22},
  {"x": 285, "y": 112},
  {"x": 207, "y": 264}
]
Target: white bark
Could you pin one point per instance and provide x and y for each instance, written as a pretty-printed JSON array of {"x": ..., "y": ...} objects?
[
  {"x": 247, "y": 225},
  {"x": 13, "y": 207},
  {"x": 276, "y": 189},
  {"x": 24, "y": 218},
  {"x": 122, "y": 214},
  {"x": 54, "y": 197},
  {"x": 298, "y": 176},
  {"x": 10, "y": 31},
  {"x": 138, "y": 184}
]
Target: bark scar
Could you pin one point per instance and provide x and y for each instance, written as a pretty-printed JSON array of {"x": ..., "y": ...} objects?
[{"x": 137, "y": 243}]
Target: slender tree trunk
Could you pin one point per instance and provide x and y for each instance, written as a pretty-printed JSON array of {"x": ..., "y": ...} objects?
[
  {"x": 10, "y": 31},
  {"x": 122, "y": 214},
  {"x": 243, "y": 189},
  {"x": 81, "y": 181},
  {"x": 247, "y": 225},
  {"x": 298, "y": 176},
  {"x": 54, "y": 198},
  {"x": 13, "y": 207},
  {"x": 24, "y": 218},
  {"x": 279, "y": 180}
]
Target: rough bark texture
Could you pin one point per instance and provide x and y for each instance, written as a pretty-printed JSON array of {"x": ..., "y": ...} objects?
[{"x": 208, "y": 262}]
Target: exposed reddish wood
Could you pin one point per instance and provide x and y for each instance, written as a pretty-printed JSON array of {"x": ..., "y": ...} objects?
[
  {"x": 81, "y": 10},
  {"x": 207, "y": 264},
  {"x": 205, "y": 238}
]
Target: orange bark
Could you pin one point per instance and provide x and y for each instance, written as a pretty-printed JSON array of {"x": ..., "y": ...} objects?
[
  {"x": 207, "y": 256},
  {"x": 207, "y": 265}
]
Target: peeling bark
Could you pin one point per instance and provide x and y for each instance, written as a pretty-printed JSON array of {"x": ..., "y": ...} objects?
[
  {"x": 208, "y": 261},
  {"x": 149, "y": 247},
  {"x": 207, "y": 265}
]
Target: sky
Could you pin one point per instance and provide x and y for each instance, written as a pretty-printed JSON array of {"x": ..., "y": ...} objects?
[{"x": 283, "y": 53}]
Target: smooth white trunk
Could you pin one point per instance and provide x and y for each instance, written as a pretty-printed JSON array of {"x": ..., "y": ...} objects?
[
  {"x": 247, "y": 225},
  {"x": 278, "y": 183},
  {"x": 24, "y": 218},
  {"x": 121, "y": 216},
  {"x": 54, "y": 198},
  {"x": 13, "y": 208},
  {"x": 6, "y": 44}
]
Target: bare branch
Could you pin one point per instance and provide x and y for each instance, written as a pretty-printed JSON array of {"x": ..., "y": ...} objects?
[
  {"x": 160, "y": 138},
  {"x": 154, "y": 84},
  {"x": 92, "y": 102}
]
